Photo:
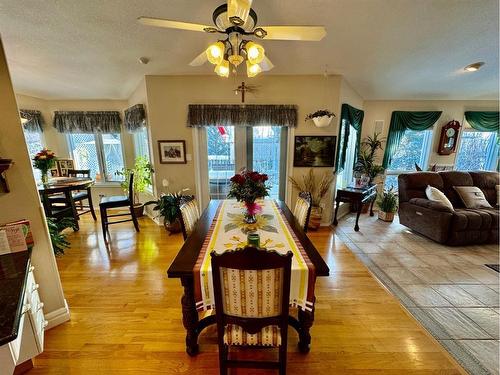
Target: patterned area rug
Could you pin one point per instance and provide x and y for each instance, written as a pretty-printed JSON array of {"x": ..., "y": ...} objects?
[{"x": 494, "y": 267}]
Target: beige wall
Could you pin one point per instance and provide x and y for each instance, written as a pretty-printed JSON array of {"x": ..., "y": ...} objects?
[
  {"x": 452, "y": 110},
  {"x": 169, "y": 96},
  {"x": 23, "y": 201}
]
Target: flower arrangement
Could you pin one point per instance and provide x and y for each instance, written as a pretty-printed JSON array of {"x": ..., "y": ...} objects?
[
  {"x": 320, "y": 113},
  {"x": 44, "y": 161},
  {"x": 247, "y": 186}
]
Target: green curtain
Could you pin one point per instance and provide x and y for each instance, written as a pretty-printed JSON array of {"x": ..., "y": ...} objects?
[
  {"x": 483, "y": 121},
  {"x": 349, "y": 116},
  {"x": 402, "y": 120}
]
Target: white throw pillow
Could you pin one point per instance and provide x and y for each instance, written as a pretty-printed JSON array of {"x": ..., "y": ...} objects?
[{"x": 437, "y": 195}]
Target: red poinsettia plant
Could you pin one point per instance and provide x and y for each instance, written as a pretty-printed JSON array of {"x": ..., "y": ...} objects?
[
  {"x": 44, "y": 161},
  {"x": 247, "y": 186}
]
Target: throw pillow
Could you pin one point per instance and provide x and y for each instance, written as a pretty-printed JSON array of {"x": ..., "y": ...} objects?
[
  {"x": 437, "y": 195},
  {"x": 472, "y": 196}
]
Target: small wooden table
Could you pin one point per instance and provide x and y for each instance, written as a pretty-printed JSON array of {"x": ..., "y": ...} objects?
[{"x": 358, "y": 196}]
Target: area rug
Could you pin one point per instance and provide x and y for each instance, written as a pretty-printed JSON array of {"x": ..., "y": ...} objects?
[{"x": 494, "y": 267}]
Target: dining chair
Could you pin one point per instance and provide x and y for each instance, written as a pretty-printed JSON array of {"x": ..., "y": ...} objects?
[
  {"x": 62, "y": 210},
  {"x": 78, "y": 196},
  {"x": 118, "y": 201},
  {"x": 252, "y": 291},
  {"x": 302, "y": 210},
  {"x": 190, "y": 214}
]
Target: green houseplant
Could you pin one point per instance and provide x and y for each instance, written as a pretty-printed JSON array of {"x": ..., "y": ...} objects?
[
  {"x": 168, "y": 207},
  {"x": 388, "y": 203},
  {"x": 321, "y": 118},
  {"x": 365, "y": 164},
  {"x": 318, "y": 187},
  {"x": 143, "y": 172},
  {"x": 57, "y": 237}
]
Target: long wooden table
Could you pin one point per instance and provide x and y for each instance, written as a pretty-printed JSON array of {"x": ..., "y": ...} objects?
[{"x": 183, "y": 264}]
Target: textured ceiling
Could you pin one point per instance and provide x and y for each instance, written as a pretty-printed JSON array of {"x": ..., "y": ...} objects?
[{"x": 386, "y": 49}]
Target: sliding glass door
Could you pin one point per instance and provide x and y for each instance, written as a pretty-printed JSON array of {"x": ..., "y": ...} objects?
[{"x": 259, "y": 148}]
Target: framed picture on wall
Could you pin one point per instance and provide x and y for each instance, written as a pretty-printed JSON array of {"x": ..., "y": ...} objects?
[
  {"x": 314, "y": 151},
  {"x": 172, "y": 152}
]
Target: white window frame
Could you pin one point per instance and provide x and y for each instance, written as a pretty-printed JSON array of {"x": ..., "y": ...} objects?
[
  {"x": 100, "y": 155},
  {"x": 492, "y": 152},
  {"x": 424, "y": 157},
  {"x": 344, "y": 178}
]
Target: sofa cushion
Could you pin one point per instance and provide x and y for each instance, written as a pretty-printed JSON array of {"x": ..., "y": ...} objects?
[
  {"x": 473, "y": 219},
  {"x": 455, "y": 178},
  {"x": 487, "y": 181},
  {"x": 472, "y": 197},
  {"x": 413, "y": 185}
]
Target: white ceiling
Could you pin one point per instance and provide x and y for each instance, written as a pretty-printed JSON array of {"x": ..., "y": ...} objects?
[{"x": 386, "y": 49}]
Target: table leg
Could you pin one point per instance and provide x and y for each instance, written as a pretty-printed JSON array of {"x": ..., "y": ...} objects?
[
  {"x": 306, "y": 319},
  {"x": 74, "y": 212},
  {"x": 190, "y": 316},
  {"x": 360, "y": 206},
  {"x": 335, "y": 222},
  {"x": 371, "y": 207}
]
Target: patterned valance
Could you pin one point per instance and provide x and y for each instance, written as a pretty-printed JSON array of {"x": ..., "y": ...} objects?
[
  {"x": 241, "y": 115},
  {"x": 34, "y": 120},
  {"x": 135, "y": 118},
  {"x": 87, "y": 122}
]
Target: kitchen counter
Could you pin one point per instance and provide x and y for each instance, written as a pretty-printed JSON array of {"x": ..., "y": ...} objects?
[{"x": 13, "y": 274}]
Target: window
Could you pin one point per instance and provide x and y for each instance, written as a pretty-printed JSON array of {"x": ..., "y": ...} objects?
[
  {"x": 414, "y": 148},
  {"x": 344, "y": 178},
  {"x": 34, "y": 142},
  {"x": 141, "y": 143},
  {"x": 101, "y": 153},
  {"x": 266, "y": 155},
  {"x": 477, "y": 151},
  {"x": 221, "y": 159}
]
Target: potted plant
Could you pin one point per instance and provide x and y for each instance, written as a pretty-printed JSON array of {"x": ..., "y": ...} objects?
[
  {"x": 57, "y": 237},
  {"x": 318, "y": 189},
  {"x": 143, "y": 171},
  {"x": 388, "y": 204},
  {"x": 321, "y": 118},
  {"x": 44, "y": 160},
  {"x": 168, "y": 207}
]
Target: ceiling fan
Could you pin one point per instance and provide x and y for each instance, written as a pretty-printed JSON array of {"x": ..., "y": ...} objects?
[{"x": 237, "y": 20}]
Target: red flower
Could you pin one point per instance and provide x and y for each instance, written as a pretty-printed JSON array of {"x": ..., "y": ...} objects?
[{"x": 238, "y": 178}]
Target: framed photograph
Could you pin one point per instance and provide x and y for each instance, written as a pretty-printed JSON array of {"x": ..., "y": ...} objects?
[
  {"x": 64, "y": 165},
  {"x": 314, "y": 151},
  {"x": 172, "y": 152}
]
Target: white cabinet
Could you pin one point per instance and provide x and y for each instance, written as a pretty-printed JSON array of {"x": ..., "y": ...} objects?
[{"x": 29, "y": 341}]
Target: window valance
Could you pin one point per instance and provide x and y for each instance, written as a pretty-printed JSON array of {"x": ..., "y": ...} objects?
[
  {"x": 402, "y": 120},
  {"x": 483, "y": 121},
  {"x": 87, "y": 122},
  {"x": 135, "y": 118},
  {"x": 241, "y": 115},
  {"x": 34, "y": 120},
  {"x": 349, "y": 116}
]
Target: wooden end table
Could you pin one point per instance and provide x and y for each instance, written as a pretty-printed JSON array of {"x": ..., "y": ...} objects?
[{"x": 358, "y": 196}]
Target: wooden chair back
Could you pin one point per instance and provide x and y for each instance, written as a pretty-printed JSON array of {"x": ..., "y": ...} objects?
[
  {"x": 189, "y": 214},
  {"x": 131, "y": 189},
  {"x": 302, "y": 211}
]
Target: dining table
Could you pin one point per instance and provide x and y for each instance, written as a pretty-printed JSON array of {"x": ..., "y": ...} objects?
[
  {"x": 220, "y": 229},
  {"x": 64, "y": 186}
]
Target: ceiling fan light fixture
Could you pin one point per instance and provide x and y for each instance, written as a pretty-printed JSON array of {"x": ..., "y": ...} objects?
[
  {"x": 222, "y": 69},
  {"x": 474, "y": 67},
  {"x": 235, "y": 59},
  {"x": 215, "y": 53},
  {"x": 237, "y": 11},
  {"x": 253, "y": 69},
  {"x": 255, "y": 52},
  {"x": 259, "y": 32}
]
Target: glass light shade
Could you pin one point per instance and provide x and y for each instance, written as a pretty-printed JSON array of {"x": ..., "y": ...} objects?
[
  {"x": 215, "y": 53},
  {"x": 222, "y": 69},
  {"x": 253, "y": 69},
  {"x": 255, "y": 52},
  {"x": 235, "y": 59}
]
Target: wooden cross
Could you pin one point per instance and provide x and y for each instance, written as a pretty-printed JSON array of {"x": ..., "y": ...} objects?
[{"x": 242, "y": 89}]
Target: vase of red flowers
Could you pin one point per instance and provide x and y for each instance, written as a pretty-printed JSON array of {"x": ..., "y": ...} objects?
[
  {"x": 247, "y": 187},
  {"x": 44, "y": 160}
]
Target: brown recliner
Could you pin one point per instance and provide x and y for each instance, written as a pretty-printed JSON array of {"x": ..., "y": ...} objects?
[{"x": 461, "y": 226}]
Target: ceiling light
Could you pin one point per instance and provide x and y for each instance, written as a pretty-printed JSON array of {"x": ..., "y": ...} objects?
[
  {"x": 474, "y": 67},
  {"x": 255, "y": 52},
  {"x": 143, "y": 60},
  {"x": 222, "y": 69},
  {"x": 215, "y": 53},
  {"x": 235, "y": 59},
  {"x": 253, "y": 69}
]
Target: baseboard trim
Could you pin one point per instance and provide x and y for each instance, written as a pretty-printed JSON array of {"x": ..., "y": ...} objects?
[{"x": 58, "y": 316}]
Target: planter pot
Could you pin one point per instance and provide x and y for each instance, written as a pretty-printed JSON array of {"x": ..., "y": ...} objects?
[
  {"x": 322, "y": 121},
  {"x": 315, "y": 218},
  {"x": 386, "y": 216},
  {"x": 139, "y": 209},
  {"x": 174, "y": 227}
]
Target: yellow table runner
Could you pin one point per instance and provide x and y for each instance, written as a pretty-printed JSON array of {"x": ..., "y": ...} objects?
[{"x": 228, "y": 231}]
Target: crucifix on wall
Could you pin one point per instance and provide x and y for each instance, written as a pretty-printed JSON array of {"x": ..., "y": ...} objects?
[{"x": 244, "y": 89}]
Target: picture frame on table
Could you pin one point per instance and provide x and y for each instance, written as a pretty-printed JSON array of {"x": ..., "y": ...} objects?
[
  {"x": 314, "y": 150},
  {"x": 172, "y": 152}
]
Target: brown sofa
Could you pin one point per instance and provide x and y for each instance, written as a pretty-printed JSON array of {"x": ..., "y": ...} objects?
[{"x": 460, "y": 226}]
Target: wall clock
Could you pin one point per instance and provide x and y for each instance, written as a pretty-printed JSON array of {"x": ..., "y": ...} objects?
[{"x": 449, "y": 136}]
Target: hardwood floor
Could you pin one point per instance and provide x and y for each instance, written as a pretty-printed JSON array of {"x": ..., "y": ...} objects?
[{"x": 126, "y": 315}]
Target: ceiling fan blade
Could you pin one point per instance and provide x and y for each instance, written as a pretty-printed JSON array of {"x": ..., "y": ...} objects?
[
  {"x": 200, "y": 59},
  {"x": 306, "y": 33},
  {"x": 266, "y": 64},
  {"x": 169, "y": 24},
  {"x": 237, "y": 11}
]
